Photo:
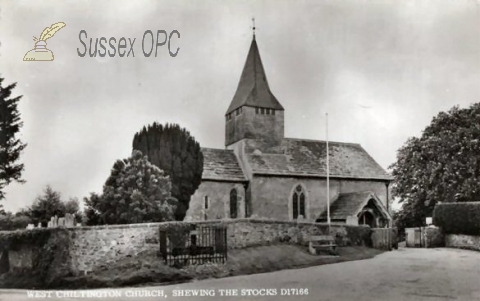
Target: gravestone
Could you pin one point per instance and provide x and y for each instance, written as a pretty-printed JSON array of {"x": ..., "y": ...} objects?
[
  {"x": 69, "y": 220},
  {"x": 61, "y": 222},
  {"x": 30, "y": 226},
  {"x": 39, "y": 225}
]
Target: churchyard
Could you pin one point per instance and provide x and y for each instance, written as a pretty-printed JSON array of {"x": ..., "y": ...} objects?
[
  {"x": 89, "y": 256},
  {"x": 64, "y": 255}
]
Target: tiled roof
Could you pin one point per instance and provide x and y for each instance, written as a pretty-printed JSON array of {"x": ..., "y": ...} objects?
[
  {"x": 253, "y": 89},
  {"x": 295, "y": 157},
  {"x": 350, "y": 204},
  {"x": 221, "y": 165}
]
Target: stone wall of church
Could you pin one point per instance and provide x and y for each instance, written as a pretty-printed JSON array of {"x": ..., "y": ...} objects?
[
  {"x": 271, "y": 196},
  {"x": 218, "y": 207},
  {"x": 249, "y": 124}
]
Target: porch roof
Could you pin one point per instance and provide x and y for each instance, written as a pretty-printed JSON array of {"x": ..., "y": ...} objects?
[{"x": 351, "y": 204}]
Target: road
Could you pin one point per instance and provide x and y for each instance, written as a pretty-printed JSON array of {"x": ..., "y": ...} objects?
[{"x": 404, "y": 274}]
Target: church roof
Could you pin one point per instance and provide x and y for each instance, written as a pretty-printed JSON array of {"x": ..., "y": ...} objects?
[
  {"x": 307, "y": 158},
  {"x": 253, "y": 89},
  {"x": 221, "y": 165},
  {"x": 351, "y": 204}
]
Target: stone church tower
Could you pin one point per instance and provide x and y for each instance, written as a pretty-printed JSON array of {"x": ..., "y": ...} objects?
[
  {"x": 254, "y": 112},
  {"x": 262, "y": 174}
]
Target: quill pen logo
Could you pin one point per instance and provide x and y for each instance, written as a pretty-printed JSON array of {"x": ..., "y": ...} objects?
[{"x": 40, "y": 52}]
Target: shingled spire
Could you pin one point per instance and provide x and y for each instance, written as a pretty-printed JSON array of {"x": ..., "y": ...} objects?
[
  {"x": 254, "y": 112},
  {"x": 253, "y": 89}
]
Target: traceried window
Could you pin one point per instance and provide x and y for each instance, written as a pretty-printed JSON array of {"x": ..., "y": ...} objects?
[
  {"x": 256, "y": 110},
  {"x": 262, "y": 110},
  {"x": 273, "y": 112},
  {"x": 298, "y": 202},
  {"x": 233, "y": 203}
]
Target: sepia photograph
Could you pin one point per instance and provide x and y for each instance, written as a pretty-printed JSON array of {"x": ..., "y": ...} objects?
[{"x": 239, "y": 150}]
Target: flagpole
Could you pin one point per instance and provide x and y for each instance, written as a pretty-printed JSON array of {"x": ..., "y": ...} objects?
[{"x": 328, "y": 179}]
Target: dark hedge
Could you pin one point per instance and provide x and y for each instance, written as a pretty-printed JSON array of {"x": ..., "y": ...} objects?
[
  {"x": 50, "y": 257},
  {"x": 458, "y": 218},
  {"x": 360, "y": 236}
]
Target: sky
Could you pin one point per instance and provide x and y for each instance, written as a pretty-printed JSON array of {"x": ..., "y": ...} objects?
[{"x": 381, "y": 69}]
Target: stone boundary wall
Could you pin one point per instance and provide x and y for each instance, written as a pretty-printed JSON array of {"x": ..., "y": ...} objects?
[
  {"x": 100, "y": 246},
  {"x": 462, "y": 241},
  {"x": 97, "y": 247}
]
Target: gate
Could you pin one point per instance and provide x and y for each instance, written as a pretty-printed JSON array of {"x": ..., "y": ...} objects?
[
  {"x": 384, "y": 238},
  {"x": 197, "y": 246},
  {"x": 415, "y": 237}
]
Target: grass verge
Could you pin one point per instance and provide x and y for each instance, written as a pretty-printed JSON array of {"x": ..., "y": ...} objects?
[{"x": 147, "y": 269}]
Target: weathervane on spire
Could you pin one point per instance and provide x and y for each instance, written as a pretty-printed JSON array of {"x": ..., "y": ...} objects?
[{"x": 253, "y": 27}]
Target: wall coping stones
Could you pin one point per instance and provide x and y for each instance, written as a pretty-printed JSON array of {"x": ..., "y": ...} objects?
[{"x": 210, "y": 222}]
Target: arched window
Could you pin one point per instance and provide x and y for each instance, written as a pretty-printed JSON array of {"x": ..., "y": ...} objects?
[
  {"x": 298, "y": 202},
  {"x": 233, "y": 203}
]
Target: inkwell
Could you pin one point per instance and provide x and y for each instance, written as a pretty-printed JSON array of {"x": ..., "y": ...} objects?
[{"x": 40, "y": 52}]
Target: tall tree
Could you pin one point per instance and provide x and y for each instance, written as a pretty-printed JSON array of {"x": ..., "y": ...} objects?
[
  {"x": 47, "y": 205},
  {"x": 136, "y": 192},
  {"x": 10, "y": 146},
  {"x": 175, "y": 151},
  {"x": 443, "y": 165}
]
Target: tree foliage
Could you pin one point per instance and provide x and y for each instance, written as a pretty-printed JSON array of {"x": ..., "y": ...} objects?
[
  {"x": 443, "y": 165},
  {"x": 45, "y": 206},
  {"x": 92, "y": 215},
  {"x": 10, "y": 146},
  {"x": 72, "y": 206},
  {"x": 175, "y": 151},
  {"x": 10, "y": 221},
  {"x": 136, "y": 191}
]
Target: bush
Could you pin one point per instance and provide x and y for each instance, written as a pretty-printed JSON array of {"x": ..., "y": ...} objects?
[
  {"x": 50, "y": 253},
  {"x": 458, "y": 218},
  {"x": 135, "y": 192},
  {"x": 10, "y": 222},
  {"x": 360, "y": 236}
]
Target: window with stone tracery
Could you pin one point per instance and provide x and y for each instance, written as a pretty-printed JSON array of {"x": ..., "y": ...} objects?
[{"x": 298, "y": 202}]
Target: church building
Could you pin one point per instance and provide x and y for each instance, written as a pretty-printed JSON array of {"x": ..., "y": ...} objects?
[{"x": 260, "y": 173}]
